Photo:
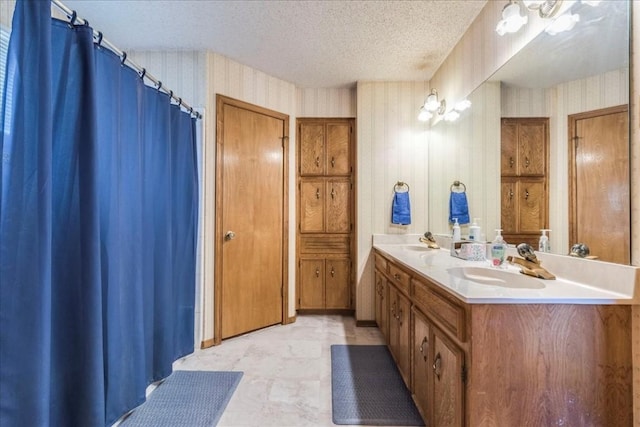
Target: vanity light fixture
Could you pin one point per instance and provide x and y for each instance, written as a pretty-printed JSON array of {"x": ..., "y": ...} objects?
[
  {"x": 593, "y": 3},
  {"x": 451, "y": 116},
  {"x": 563, "y": 23},
  {"x": 431, "y": 105},
  {"x": 549, "y": 8},
  {"x": 463, "y": 105},
  {"x": 511, "y": 20}
]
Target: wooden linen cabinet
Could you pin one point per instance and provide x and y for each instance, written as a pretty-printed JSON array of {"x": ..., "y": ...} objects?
[{"x": 325, "y": 214}]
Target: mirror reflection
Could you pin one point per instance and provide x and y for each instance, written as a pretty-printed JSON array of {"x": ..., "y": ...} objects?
[{"x": 545, "y": 144}]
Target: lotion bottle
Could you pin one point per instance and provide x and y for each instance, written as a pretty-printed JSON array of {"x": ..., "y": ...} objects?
[
  {"x": 474, "y": 231},
  {"x": 498, "y": 250},
  {"x": 543, "y": 243},
  {"x": 456, "y": 231}
]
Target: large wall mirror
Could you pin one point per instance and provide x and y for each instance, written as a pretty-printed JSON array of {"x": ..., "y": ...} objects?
[{"x": 579, "y": 81}]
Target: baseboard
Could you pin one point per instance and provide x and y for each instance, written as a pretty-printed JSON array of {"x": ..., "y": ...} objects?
[
  {"x": 207, "y": 343},
  {"x": 345, "y": 312},
  {"x": 366, "y": 323}
]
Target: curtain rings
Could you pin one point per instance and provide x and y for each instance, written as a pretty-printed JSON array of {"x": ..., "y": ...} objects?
[
  {"x": 142, "y": 73},
  {"x": 99, "y": 40}
]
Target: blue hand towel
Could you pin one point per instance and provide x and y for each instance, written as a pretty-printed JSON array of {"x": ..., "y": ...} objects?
[
  {"x": 459, "y": 207},
  {"x": 401, "y": 209}
]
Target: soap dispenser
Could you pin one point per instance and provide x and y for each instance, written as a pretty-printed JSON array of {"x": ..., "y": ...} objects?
[
  {"x": 543, "y": 243},
  {"x": 498, "y": 249},
  {"x": 456, "y": 231},
  {"x": 474, "y": 231}
]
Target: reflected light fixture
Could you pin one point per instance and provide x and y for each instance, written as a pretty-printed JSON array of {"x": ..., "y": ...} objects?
[
  {"x": 563, "y": 23},
  {"x": 451, "y": 116},
  {"x": 511, "y": 20},
  {"x": 463, "y": 105},
  {"x": 424, "y": 114}
]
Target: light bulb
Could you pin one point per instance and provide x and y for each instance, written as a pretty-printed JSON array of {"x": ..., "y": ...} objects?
[
  {"x": 424, "y": 115},
  {"x": 432, "y": 104},
  {"x": 463, "y": 105},
  {"x": 511, "y": 20},
  {"x": 563, "y": 23},
  {"x": 451, "y": 116}
]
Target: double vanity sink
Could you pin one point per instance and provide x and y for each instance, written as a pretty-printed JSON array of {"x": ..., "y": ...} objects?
[
  {"x": 578, "y": 281},
  {"x": 485, "y": 346}
]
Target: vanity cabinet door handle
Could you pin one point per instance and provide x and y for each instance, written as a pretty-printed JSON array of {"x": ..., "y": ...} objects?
[
  {"x": 400, "y": 316},
  {"x": 333, "y": 162},
  {"x": 317, "y": 193},
  {"x": 526, "y": 194},
  {"x": 333, "y": 193},
  {"x": 397, "y": 276},
  {"x": 333, "y": 272},
  {"x": 437, "y": 366},
  {"x": 422, "y": 349},
  {"x": 511, "y": 162},
  {"x": 317, "y": 161},
  {"x": 510, "y": 194},
  {"x": 317, "y": 272},
  {"x": 526, "y": 162}
]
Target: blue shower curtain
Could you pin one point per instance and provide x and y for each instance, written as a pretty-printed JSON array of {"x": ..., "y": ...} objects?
[{"x": 98, "y": 216}]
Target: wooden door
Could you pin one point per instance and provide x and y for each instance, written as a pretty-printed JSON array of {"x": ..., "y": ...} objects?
[
  {"x": 250, "y": 206},
  {"x": 393, "y": 320},
  {"x": 509, "y": 206},
  {"x": 337, "y": 277},
  {"x": 312, "y": 278},
  {"x": 338, "y": 209},
  {"x": 448, "y": 390},
  {"x": 600, "y": 201}
]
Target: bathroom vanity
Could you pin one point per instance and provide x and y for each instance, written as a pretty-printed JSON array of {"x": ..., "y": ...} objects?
[{"x": 484, "y": 347}]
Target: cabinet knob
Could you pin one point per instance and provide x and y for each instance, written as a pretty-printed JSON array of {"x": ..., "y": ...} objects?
[
  {"x": 510, "y": 194},
  {"x": 333, "y": 272},
  {"x": 317, "y": 272},
  {"x": 229, "y": 235},
  {"x": 397, "y": 276},
  {"x": 400, "y": 316},
  {"x": 526, "y": 162},
  {"x": 437, "y": 366},
  {"x": 526, "y": 194},
  {"x": 333, "y": 193},
  {"x": 317, "y": 161},
  {"x": 511, "y": 162},
  {"x": 317, "y": 193}
]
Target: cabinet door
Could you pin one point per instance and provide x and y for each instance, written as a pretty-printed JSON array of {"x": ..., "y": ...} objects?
[
  {"x": 312, "y": 198},
  {"x": 338, "y": 283},
  {"x": 532, "y": 206},
  {"x": 312, "y": 149},
  {"x": 338, "y": 208},
  {"x": 338, "y": 149},
  {"x": 393, "y": 320},
  {"x": 509, "y": 206},
  {"x": 311, "y": 283},
  {"x": 382, "y": 305},
  {"x": 509, "y": 148},
  {"x": 422, "y": 370},
  {"x": 448, "y": 398},
  {"x": 403, "y": 356},
  {"x": 532, "y": 142}
]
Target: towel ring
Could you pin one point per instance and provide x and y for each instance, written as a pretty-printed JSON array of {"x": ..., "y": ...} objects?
[
  {"x": 400, "y": 185},
  {"x": 457, "y": 185}
]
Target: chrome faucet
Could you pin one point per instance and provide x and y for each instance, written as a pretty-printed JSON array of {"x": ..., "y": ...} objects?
[{"x": 530, "y": 265}]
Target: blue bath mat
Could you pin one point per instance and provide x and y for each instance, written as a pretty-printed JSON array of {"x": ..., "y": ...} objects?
[
  {"x": 186, "y": 399},
  {"x": 367, "y": 389}
]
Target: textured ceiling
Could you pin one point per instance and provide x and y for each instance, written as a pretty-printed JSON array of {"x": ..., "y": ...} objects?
[{"x": 309, "y": 43}]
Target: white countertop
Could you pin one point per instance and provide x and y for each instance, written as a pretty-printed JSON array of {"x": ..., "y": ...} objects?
[{"x": 611, "y": 284}]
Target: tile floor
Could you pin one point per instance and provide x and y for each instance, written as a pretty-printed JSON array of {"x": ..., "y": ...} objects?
[{"x": 287, "y": 370}]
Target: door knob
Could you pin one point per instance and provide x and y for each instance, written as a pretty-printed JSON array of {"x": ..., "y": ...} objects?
[{"x": 229, "y": 235}]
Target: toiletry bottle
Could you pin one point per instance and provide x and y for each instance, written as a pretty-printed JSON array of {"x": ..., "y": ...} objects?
[
  {"x": 543, "y": 243},
  {"x": 474, "y": 231},
  {"x": 498, "y": 249},
  {"x": 456, "y": 231}
]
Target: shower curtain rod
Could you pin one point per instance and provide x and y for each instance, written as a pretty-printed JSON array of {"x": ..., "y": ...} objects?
[{"x": 97, "y": 35}]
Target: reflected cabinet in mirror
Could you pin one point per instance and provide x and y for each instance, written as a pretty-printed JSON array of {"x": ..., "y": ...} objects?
[{"x": 546, "y": 141}]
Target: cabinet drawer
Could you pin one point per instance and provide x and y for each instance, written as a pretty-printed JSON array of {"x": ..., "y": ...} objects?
[
  {"x": 381, "y": 264},
  {"x": 399, "y": 278},
  {"x": 448, "y": 313},
  {"x": 324, "y": 244}
]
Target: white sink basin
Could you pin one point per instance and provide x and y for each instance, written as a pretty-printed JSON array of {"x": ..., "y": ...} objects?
[{"x": 496, "y": 277}]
